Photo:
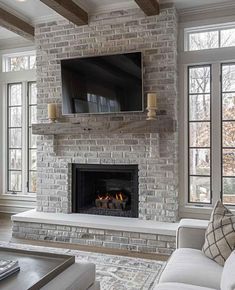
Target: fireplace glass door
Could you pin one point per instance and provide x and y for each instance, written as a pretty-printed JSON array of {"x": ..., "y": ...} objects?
[{"x": 110, "y": 190}]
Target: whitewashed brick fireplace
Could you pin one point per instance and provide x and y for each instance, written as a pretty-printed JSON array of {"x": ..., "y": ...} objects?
[{"x": 155, "y": 153}]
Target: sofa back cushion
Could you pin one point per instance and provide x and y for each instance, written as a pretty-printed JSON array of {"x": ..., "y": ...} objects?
[
  {"x": 228, "y": 274},
  {"x": 220, "y": 234}
]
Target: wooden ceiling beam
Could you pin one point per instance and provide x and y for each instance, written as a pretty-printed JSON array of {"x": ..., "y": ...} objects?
[
  {"x": 16, "y": 25},
  {"x": 69, "y": 10},
  {"x": 150, "y": 7}
]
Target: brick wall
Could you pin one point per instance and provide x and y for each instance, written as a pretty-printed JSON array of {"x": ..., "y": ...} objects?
[
  {"x": 130, "y": 241},
  {"x": 156, "y": 154}
]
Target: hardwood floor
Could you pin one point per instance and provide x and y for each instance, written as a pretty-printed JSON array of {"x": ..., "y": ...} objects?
[{"x": 5, "y": 235}]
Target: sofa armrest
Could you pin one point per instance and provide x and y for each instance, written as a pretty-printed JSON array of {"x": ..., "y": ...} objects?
[{"x": 191, "y": 233}]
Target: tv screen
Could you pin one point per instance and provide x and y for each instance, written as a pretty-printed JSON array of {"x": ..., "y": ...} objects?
[{"x": 102, "y": 84}]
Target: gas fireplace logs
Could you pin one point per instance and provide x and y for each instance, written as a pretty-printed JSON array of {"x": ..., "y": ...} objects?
[{"x": 115, "y": 201}]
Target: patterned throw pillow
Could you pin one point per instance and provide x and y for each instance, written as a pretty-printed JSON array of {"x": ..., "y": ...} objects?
[{"x": 220, "y": 234}]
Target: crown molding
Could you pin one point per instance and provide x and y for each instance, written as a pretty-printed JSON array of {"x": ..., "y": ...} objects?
[{"x": 208, "y": 9}]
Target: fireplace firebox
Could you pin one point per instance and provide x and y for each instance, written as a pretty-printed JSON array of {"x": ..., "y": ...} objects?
[{"x": 110, "y": 190}]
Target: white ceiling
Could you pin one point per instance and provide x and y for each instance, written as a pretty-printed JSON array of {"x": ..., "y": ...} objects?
[
  {"x": 4, "y": 33},
  {"x": 34, "y": 11},
  {"x": 29, "y": 9}
]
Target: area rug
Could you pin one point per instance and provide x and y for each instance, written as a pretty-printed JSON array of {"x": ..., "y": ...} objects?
[{"x": 113, "y": 272}]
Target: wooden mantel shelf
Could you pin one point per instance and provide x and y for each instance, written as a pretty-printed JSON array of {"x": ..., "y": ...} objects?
[{"x": 160, "y": 125}]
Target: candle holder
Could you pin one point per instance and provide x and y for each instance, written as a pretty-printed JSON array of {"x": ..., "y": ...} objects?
[
  {"x": 52, "y": 112},
  {"x": 151, "y": 106},
  {"x": 152, "y": 113}
]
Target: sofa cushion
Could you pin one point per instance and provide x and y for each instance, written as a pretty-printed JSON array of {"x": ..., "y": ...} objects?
[
  {"x": 220, "y": 234},
  {"x": 228, "y": 275},
  {"x": 191, "y": 266},
  {"x": 78, "y": 276},
  {"x": 179, "y": 286}
]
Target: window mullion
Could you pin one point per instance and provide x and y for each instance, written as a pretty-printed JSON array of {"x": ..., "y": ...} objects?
[{"x": 216, "y": 132}]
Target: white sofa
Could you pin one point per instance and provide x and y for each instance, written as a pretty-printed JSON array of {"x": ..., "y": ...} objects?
[{"x": 189, "y": 269}]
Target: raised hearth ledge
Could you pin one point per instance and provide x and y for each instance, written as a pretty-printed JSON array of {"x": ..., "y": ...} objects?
[{"x": 98, "y": 222}]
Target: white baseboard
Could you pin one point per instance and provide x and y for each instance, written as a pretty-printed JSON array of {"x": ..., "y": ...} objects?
[{"x": 9, "y": 204}]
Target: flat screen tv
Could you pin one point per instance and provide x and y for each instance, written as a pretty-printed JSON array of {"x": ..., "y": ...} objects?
[{"x": 102, "y": 84}]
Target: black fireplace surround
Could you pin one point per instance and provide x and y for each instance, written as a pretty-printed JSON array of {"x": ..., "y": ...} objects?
[{"x": 110, "y": 190}]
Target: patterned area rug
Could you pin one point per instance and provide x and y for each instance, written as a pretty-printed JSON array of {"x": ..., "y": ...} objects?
[{"x": 113, "y": 272}]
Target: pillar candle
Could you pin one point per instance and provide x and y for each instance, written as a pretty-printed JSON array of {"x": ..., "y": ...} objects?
[
  {"x": 51, "y": 111},
  {"x": 152, "y": 100}
]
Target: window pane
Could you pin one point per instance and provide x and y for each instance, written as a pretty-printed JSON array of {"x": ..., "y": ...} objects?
[
  {"x": 15, "y": 161},
  {"x": 15, "y": 117},
  {"x": 14, "y": 181},
  {"x": 15, "y": 138},
  {"x": 229, "y": 190},
  {"x": 229, "y": 106},
  {"x": 227, "y": 37},
  {"x": 203, "y": 40},
  {"x": 33, "y": 181},
  {"x": 33, "y": 159},
  {"x": 229, "y": 134},
  {"x": 32, "y": 61},
  {"x": 32, "y": 94},
  {"x": 228, "y": 78},
  {"x": 199, "y": 134},
  {"x": 200, "y": 161},
  {"x": 199, "y": 107},
  {"x": 199, "y": 80},
  {"x": 32, "y": 139},
  {"x": 19, "y": 63},
  {"x": 33, "y": 114},
  {"x": 199, "y": 189},
  {"x": 229, "y": 162},
  {"x": 15, "y": 95}
]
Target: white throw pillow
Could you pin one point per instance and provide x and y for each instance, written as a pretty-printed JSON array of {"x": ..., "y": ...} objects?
[{"x": 228, "y": 274}]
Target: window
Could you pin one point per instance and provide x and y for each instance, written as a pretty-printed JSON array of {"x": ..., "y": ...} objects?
[
  {"x": 207, "y": 125},
  {"x": 228, "y": 133},
  {"x": 210, "y": 37},
  {"x": 211, "y": 137},
  {"x": 15, "y": 138},
  {"x": 199, "y": 132},
  {"x": 19, "y": 62},
  {"x": 21, "y": 143}
]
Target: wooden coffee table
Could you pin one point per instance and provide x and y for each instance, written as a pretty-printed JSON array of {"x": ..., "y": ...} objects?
[{"x": 36, "y": 268}]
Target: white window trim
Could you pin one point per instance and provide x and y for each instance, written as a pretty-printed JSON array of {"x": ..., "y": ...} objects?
[
  {"x": 24, "y": 77},
  {"x": 206, "y": 28},
  {"x": 24, "y": 143},
  {"x": 189, "y": 58},
  {"x": 6, "y": 56}
]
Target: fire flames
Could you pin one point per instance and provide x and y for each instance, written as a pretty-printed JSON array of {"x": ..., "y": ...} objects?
[
  {"x": 104, "y": 197},
  {"x": 118, "y": 196},
  {"x": 117, "y": 200}
]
